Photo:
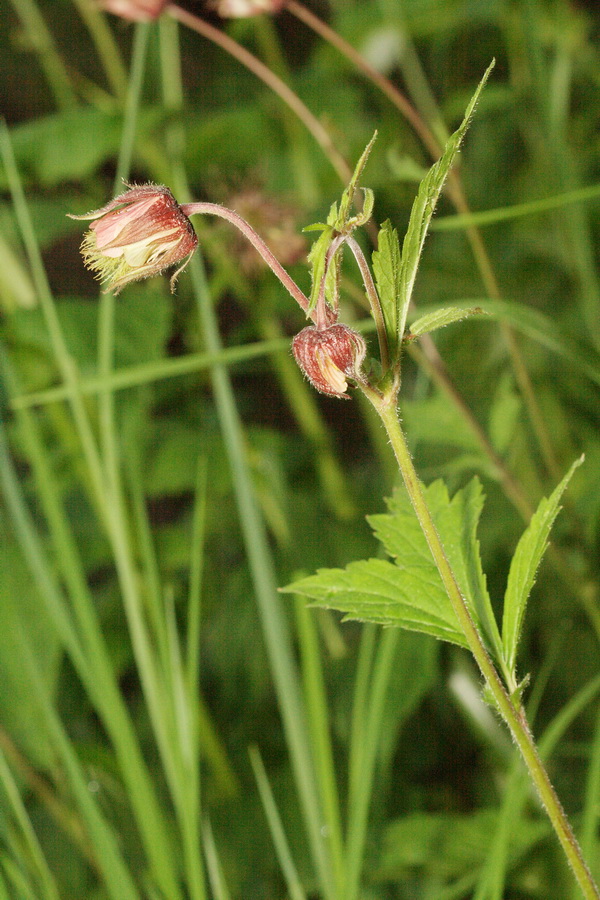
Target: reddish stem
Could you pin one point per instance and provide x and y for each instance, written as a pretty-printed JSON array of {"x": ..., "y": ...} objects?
[{"x": 214, "y": 209}]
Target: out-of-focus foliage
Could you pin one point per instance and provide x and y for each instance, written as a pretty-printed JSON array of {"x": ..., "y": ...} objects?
[{"x": 438, "y": 804}]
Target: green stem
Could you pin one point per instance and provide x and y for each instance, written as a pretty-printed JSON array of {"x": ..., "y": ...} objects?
[
  {"x": 513, "y": 716},
  {"x": 374, "y": 301},
  {"x": 51, "y": 62},
  {"x": 105, "y": 45}
]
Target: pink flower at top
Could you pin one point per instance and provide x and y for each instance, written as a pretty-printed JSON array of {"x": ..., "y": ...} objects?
[
  {"x": 240, "y": 9},
  {"x": 135, "y": 10},
  {"x": 140, "y": 233},
  {"x": 329, "y": 356}
]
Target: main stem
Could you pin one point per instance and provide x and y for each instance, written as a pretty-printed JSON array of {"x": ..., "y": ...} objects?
[{"x": 514, "y": 716}]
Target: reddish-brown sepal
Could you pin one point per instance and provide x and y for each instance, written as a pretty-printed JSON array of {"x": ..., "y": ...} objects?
[
  {"x": 140, "y": 233},
  {"x": 329, "y": 356}
]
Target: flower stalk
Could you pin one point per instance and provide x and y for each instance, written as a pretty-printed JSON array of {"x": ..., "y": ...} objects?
[
  {"x": 374, "y": 301},
  {"x": 214, "y": 209}
]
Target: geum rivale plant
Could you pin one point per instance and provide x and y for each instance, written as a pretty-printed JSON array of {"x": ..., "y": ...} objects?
[{"x": 434, "y": 582}]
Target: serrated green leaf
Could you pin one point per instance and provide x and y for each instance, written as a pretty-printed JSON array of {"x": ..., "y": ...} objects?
[
  {"x": 451, "y": 845},
  {"x": 442, "y": 317},
  {"x": 409, "y": 592},
  {"x": 386, "y": 269},
  {"x": 364, "y": 215},
  {"x": 375, "y": 590},
  {"x": 317, "y": 258},
  {"x": 540, "y": 328},
  {"x": 524, "y": 566},
  {"x": 348, "y": 195},
  {"x": 316, "y": 226},
  {"x": 456, "y": 520},
  {"x": 424, "y": 206}
]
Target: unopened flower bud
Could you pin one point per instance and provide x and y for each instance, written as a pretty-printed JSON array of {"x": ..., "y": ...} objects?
[
  {"x": 240, "y": 9},
  {"x": 140, "y": 233},
  {"x": 135, "y": 10},
  {"x": 329, "y": 356}
]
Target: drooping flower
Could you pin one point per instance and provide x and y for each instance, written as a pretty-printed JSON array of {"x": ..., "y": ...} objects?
[
  {"x": 134, "y": 10},
  {"x": 329, "y": 356},
  {"x": 240, "y": 9},
  {"x": 140, "y": 233}
]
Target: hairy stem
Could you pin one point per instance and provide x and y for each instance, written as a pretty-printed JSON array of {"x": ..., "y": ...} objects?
[
  {"x": 374, "y": 301},
  {"x": 214, "y": 209},
  {"x": 513, "y": 716}
]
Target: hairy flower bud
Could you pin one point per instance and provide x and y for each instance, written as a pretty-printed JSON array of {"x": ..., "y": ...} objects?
[
  {"x": 140, "y": 233},
  {"x": 135, "y": 10},
  {"x": 329, "y": 356}
]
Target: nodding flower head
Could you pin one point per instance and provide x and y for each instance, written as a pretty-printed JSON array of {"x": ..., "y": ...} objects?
[
  {"x": 329, "y": 356},
  {"x": 135, "y": 10},
  {"x": 140, "y": 233},
  {"x": 240, "y": 9}
]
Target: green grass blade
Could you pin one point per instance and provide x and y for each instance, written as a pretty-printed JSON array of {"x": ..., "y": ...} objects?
[
  {"x": 185, "y": 712},
  {"x": 320, "y": 736},
  {"x": 150, "y": 576},
  {"x": 40, "y": 567},
  {"x": 506, "y": 213},
  {"x": 492, "y": 879},
  {"x": 263, "y": 575},
  {"x": 105, "y": 44},
  {"x": 4, "y": 895},
  {"x": 213, "y": 864},
  {"x": 358, "y": 813},
  {"x": 146, "y": 373},
  {"x": 360, "y": 701},
  {"x": 194, "y": 608},
  {"x": 282, "y": 849},
  {"x": 64, "y": 361},
  {"x": 540, "y": 328},
  {"x": 114, "y": 871},
  {"x": 20, "y": 886},
  {"x": 87, "y": 649},
  {"x": 50, "y": 60},
  {"x": 591, "y": 809},
  {"x": 38, "y": 864}
]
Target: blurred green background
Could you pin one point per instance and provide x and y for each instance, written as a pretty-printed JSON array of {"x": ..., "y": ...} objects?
[{"x": 513, "y": 398}]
